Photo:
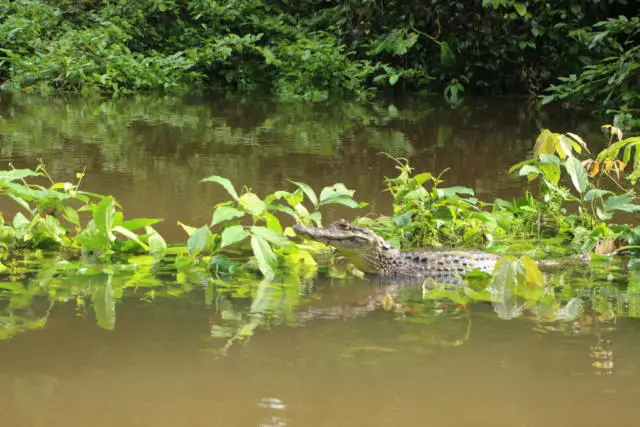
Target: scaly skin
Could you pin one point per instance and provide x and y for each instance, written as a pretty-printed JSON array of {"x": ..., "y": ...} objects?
[{"x": 372, "y": 254}]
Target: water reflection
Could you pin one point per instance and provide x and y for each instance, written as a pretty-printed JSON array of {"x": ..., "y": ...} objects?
[
  {"x": 331, "y": 352},
  {"x": 152, "y": 152}
]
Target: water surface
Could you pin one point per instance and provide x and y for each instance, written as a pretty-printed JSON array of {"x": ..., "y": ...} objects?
[{"x": 112, "y": 348}]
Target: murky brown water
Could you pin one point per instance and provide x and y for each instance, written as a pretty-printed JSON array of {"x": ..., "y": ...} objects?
[{"x": 165, "y": 355}]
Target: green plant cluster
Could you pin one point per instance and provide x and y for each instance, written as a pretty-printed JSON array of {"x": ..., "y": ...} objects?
[
  {"x": 62, "y": 216},
  {"x": 247, "y": 251},
  {"x": 315, "y": 49},
  {"x": 550, "y": 219}
]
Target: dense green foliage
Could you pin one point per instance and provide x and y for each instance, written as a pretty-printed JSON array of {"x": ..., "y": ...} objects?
[{"x": 315, "y": 49}]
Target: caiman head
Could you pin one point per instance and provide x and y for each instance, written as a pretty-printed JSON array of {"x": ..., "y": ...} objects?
[{"x": 359, "y": 245}]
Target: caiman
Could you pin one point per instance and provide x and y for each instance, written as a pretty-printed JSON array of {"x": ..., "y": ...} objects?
[{"x": 372, "y": 254}]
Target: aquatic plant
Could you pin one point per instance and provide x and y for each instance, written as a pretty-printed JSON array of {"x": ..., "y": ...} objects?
[{"x": 73, "y": 245}]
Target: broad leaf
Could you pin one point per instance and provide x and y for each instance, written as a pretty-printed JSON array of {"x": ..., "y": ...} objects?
[
  {"x": 545, "y": 143},
  {"x": 565, "y": 146},
  {"x": 156, "y": 241},
  {"x": 233, "y": 234},
  {"x": 90, "y": 238},
  {"x": 16, "y": 174},
  {"x": 421, "y": 178},
  {"x": 225, "y": 213},
  {"x": 198, "y": 240},
  {"x": 549, "y": 159},
  {"x": 270, "y": 235},
  {"x": 551, "y": 172},
  {"x": 579, "y": 142},
  {"x": 136, "y": 223},
  {"x": 532, "y": 274},
  {"x": 451, "y": 192},
  {"x": 308, "y": 191},
  {"x": 272, "y": 222},
  {"x": 530, "y": 171},
  {"x": 521, "y": 8},
  {"x": 577, "y": 173},
  {"x": 622, "y": 203},
  {"x": 334, "y": 191},
  {"x": 19, "y": 220},
  {"x": 343, "y": 200},
  {"x": 131, "y": 235},
  {"x": 252, "y": 204},
  {"x": 507, "y": 274},
  {"x": 187, "y": 228},
  {"x": 104, "y": 306},
  {"x": 225, "y": 183},
  {"x": 103, "y": 214},
  {"x": 71, "y": 215},
  {"x": 596, "y": 193},
  {"x": 265, "y": 257}
]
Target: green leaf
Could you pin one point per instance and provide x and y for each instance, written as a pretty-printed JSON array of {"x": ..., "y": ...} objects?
[
  {"x": 530, "y": 171},
  {"x": 393, "y": 79},
  {"x": 521, "y": 8},
  {"x": 251, "y": 204},
  {"x": 90, "y": 238},
  {"x": 225, "y": 183},
  {"x": 342, "y": 200},
  {"x": 336, "y": 190},
  {"x": 225, "y": 213},
  {"x": 198, "y": 240},
  {"x": 518, "y": 165},
  {"x": 551, "y": 172},
  {"x": 451, "y": 192},
  {"x": 265, "y": 257},
  {"x": 295, "y": 198},
  {"x": 579, "y": 142},
  {"x": 565, "y": 145},
  {"x": 71, "y": 215},
  {"x": 551, "y": 159},
  {"x": 131, "y": 235},
  {"x": 532, "y": 274},
  {"x": 16, "y": 174},
  {"x": 596, "y": 193},
  {"x": 272, "y": 221},
  {"x": 577, "y": 173},
  {"x": 187, "y": 228},
  {"x": 545, "y": 143},
  {"x": 421, "y": 178},
  {"x": 270, "y": 235},
  {"x": 156, "y": 241},
  {"x": 136, "y": 223},
  {"x": 507, "y": 274},
  {"x": 621, "y": 203},
  {"x": 103, "y": 217},
  {"x": 104, "y": 306},
  {"x": 308, "y": 191},
  {"x": 447, "y": 57},
  {"x": 232, "y": 234},
  {"x": 19, "y": 220}
]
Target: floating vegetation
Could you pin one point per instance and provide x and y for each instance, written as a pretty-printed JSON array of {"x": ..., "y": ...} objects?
[{"x": 69, "y": 245}]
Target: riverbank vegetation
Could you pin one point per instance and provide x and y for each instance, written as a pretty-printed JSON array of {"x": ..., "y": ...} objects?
[
  {"x": 573, "y": 198},
  {"x": 311, "y": 50},
  {"x": 62, "y": 234}
]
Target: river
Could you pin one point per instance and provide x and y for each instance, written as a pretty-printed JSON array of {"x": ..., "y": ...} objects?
[{"x": 109, "y": 349}]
